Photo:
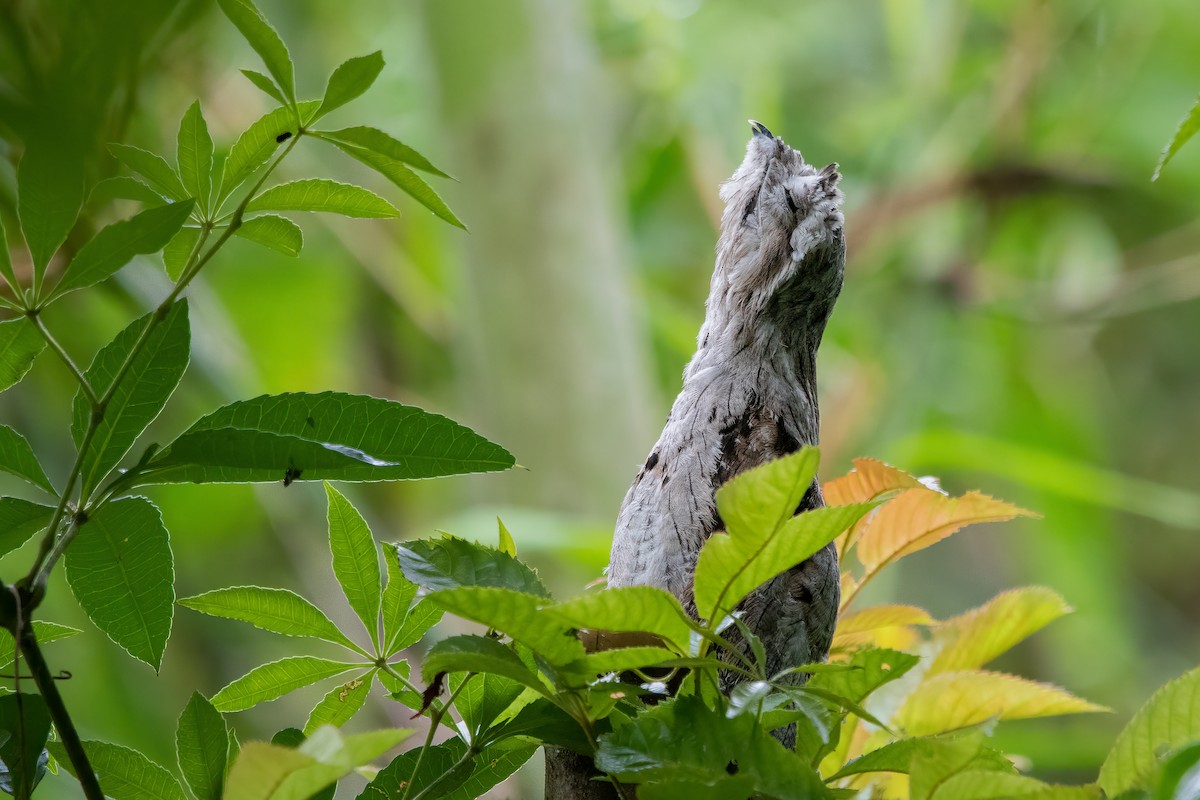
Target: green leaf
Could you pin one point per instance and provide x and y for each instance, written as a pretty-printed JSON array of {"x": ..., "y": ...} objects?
[
  {"x": 382, "y": 143},
  {"x": 265, "y": 85},
  {"x": 355, "y": 561},
  {"x": 124, "y": 774},
  {"x": 974, "y": 784},
  {"x": 116, "y": 245},
  {"x": 686, "y": 740},
  {"x": 348, "y": 81},
  {"x": 20, "y": 344},
  {"x": 276, "y": 679},
  {"x": 493, "y": 764},
  {"x": 1186, "y": 130},
  {"x": 935, "y": 760},
  {"x": 278, "y": 233},
  {"x": 620, "y": 659},
  {"x": 154, "y": 168},
  {"x": 478, "y": 654},
  {"x": 342, "y": 703},
  {"x": 257, "y": 143},
  {"x": 517, "y": 614},
  {"x": 178, "y": 251},
  {"x": 20, "y": 754},
  {"x": 397, "y": 596},
  {"x": 629, "y": 608},
  {"x": 484, "y": 698},
  {"x": 122, "y": 187},
  {"x": 141, "y": 394},
  {"x": 49, "y": 196},
  {"x": 46, "y": 632},
  {"x": 405, "y": 178},
  {"x": 1180, "y": 775},
  {"x": 871, "y": 668},
  {"x": 322, "y": 194},
  {"x": 421, "y": 617},
  {"x": 194, "y": 153},
  {"x": 1168, "y": 720},
  {"x": 19, "y": 520},
  {"x": 6, "y": 267},
  {"x": 327, "y": 436},
  {"x": 275, "y": 610},
  {"x": 265, "y": 41},
  {"x": 202, "y": 747},
  {"x": 17, "y": 458},
  {"x": 546, "y": 723},
  {"x": 506, "y": 544},
  {"x": 450, "y": 562},
  {"x": 122, "y": 572}
]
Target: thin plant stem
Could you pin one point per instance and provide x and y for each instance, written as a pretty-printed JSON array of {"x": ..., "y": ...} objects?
[
  {"x": 84, "y": 385},
  {"x": 435, "y": 719}
]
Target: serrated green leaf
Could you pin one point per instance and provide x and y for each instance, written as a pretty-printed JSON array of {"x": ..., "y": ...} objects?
[
  {"x": 972, "y": 784},
  {"x": 382, "y": 143},
  {"x": 257, "y": 143},
  {"x": 17, "y": 458},
  {"x": 122, "y": 187},
  {"x": 411, "y": 183},
  {"x": 938, "y": 759},
  {"x": 1168, "y": 720},
  {"x": 116, "y": 245},
  {"x": 265, "y": 41},
  {"x": 20, "y": 344},
  {"x": 493, "y": 764},
  {"x": 517, "y": 614},
  {"x": 121, "y": 570},
  {"x": 202, "y": 748},
  {"x": 194, "y": 154},
  {"x": 19, "y": 520},
  {"x": 46, "y": 633},
  {"x": 178, "y": 251},
  {"x": 450, "y": 562},
  {"x": 327, "y": 436},
  {"x": 629, "y": 608},
  {"x": 124, "y": 773},
  {"x": 141, "y": 394},
  {"x": 871, "y": 668},
  {"x": 1186, "y": 130},
  {"x": 49, "y": 196},
  {"x": 348, "y": 81},
  {"x": 322, "y": 194},
  {"x": 355, "y": 561},
  {"x": 421, "y": 617},
  {"x": 278, "y": 233},
  {"x": 342, "y": 703},
  {"x": 265, "y": 85},
  {"x": 276, "y": 679},
  {"x": 478, "y": 654},
  {"x": 275, "y": 610},
  {"x": 19, "y": 754},
  {"x": 154, "y": 168},
  {"x": 397, "y": 596}
]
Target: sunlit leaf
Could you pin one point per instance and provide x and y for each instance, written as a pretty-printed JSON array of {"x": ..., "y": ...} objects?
[
  {"x": 975, "y": 638},
  {"x": 270, "y": 230},
  {"x": 257, "y": 143},
  {"x": 20, "y": 344},
  {"x": 935, "y": 760},
  {"x": 17, "y": 458},
  {"x": 629, "y": 608},
  {"x": 275, "y": 680},
  {"x": 1186, "y": 130},
  {"x": 49, "y": 196},
  {"x": 953, "y": 700},
  {"x": 516, "y": 614},
  {"x": 859, "y": 628},
  {"x": 202, "y": 748},
  {"x": 421, "y": 617},
  {"x": 355, "y": 560},
  {"x": 265, "y": 85},
  {"x": 121, "y": 570},
  {"x": 478, "y": 654},
  {"x": 322, "y": 194},
  {"x": 265, "y": 41},
  {"x": 124, "y": 773},
  {"x": 506, "y": 545},
  {"x": 154, "y": 168},
  {"x": 411, "y": 183},
  {"x": 348, "y": 81},
  {"x": 1168, "y": 720},
  {"x": 986, "y": 785},
  {"x": 868, "y": 480},
  {"x": 194, "y": 155},
  {"x": 384, "y": 144},
  {"x": 872, "y": 668},
  {"x": 342, "y": 703},
  {"x": 275, "y": 610},
  {"x": 450, "y": 562}
]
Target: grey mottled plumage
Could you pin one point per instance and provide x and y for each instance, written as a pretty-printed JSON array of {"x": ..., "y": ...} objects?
[{"x": 749, "y": 395}]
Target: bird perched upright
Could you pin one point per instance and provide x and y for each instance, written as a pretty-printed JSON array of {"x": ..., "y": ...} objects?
[{"x": 749, "y": 396}]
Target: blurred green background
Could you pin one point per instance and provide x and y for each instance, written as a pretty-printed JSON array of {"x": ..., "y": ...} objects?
[{"x": 1020, "y": 313}]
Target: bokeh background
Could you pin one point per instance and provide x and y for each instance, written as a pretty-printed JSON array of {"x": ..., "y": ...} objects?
[{"x": 1020, "y": 314}]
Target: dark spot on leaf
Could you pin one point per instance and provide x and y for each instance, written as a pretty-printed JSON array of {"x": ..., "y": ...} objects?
[
  {"x": 732, "y": 768},
  {"x": 652, "y": 461},
  {"x": 291, "y": 474},
  {"x": 312, "y": 423},
  {"x": 431, "y": 691},
  {"x": 283, "y": 137}
]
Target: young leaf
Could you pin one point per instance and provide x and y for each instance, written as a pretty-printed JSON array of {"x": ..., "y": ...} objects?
[
  {"x": 1168, "y": 720},
  {"x": 869, "y": 480},
  {"x": 397, "y": 596},
  {"x": 20, "y": 344},
  {"x": 27, "y": 721},
  {"x": 322, "y": 194},
  {"x": 342, "y": 703},
  {"x": 202, "y": 747},
  {"x": 493, "y": 764},
  {"x": 179, "y": 250},
  {"x": 936, "y": 760},
  {"x": 478, "y": 654},
  {"x": 975, "y": 638},
  {"x": 507, "y": 545},
  {"x": 1186, "y": 130},
  {"x": 265, "y": 41},
  {"x": 49, "y": 196},
  {"x": 17, "y": 458},
  {"x": 141, "y": 394},
  {"x": 265, "y": 85},
  {"x": 124, "y": 774},
  {"x": 121, "y": 571},
  {"x": 276, "y": 679},
  {"x": 194, "y": 154},
  {"x": 154, "y": 168},
  {"x": 278, "y": 233},
  {"x": 629, "y": 608},
  {"x": 256, "y": 144},
  {"x": 327, "y": 436},
  {"x": 450, "y": 562},
  {"x": 382, "y": 143},
  {"x": 405, "y": 178},
  {"x": 516, "y": 614},
  {"x": 355, "y": 561},
  {"x": 348, "y": 81},
  {"x": 19, "y": 520},
  {"x": 955, "y": 700},
  {"x": 114, "y": 246},
  {"x": 122, "y": 187},
  {"x": 275, "y": 610},
  {"x": 863, "y": 626},
  {"x": 870, "y": 669}
]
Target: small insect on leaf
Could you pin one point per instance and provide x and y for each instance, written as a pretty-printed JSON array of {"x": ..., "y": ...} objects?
[
  {"x": 431, "y": 691},
  {"x": 292, "y": 473},
  {"x": 283, "y": 137}
]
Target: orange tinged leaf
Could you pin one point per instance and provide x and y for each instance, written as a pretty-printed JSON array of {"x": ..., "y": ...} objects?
[
  {"x": 973, "y": 639},
  {"x": 873, "y": 626},
  {"x": 869, "y": 480}
]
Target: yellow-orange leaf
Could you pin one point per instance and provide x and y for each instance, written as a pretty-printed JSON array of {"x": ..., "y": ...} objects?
[
  {"x": 975, "y": 638},
  {"x": 954, "y": 700},
  {"x": 869, "y": 626},
  {"x": 918, "y": 518},
  {"x": 869, "y": 480}
]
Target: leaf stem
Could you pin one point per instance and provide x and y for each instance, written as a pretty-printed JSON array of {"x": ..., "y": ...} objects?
[
  {"x": 86, "y": 387},
  {"x": 435, "y": 719}
]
